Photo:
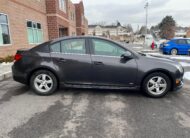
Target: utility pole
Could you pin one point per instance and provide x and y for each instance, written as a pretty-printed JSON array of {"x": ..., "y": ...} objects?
[{"x": 146, "y": 8}]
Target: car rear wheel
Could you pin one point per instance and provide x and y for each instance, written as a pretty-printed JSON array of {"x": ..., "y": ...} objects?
[
  {"x": 174, "y": 52},
  {"x": 43, "y": 82},
  {"x": 156, "y": 85}
]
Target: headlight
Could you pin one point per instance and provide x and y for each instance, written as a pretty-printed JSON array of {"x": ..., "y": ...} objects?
[
  {"x": 180, "y": 68},
  {"x": 166, "y": 44}
]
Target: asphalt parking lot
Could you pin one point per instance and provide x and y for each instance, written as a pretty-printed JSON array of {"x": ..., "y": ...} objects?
[
  {"x": 84, "y": 113},
  {"x": 78, "y": 113}
]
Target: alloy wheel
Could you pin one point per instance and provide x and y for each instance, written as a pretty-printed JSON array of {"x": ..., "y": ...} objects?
[
  {"x": 174, "y": 52},
  {"x": 43, "y": 83},
  {"x": 157, "y": 85}
]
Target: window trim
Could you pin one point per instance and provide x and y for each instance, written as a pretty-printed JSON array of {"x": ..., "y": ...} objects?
[
  {"x": 9, "y": 29},
  {"x": 27, "y": 20}
]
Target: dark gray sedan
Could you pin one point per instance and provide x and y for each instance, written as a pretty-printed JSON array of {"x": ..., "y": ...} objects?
[{"x": 93, "y": 62}]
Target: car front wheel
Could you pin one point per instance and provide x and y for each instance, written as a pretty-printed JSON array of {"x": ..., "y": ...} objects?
[
  {"x": 43, "y": 83},
  {"x": 174, "y": 52},
  {"x": 156, "y": 85}
]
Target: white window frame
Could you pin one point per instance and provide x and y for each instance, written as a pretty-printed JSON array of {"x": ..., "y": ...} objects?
[
  {"x": 33, "y": 31},
  {"x": 62, "y": 5},
  {"x": 2, "y": 45}
]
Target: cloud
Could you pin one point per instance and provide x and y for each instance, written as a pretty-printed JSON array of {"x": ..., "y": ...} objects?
[{"x": 133, "y": 12}]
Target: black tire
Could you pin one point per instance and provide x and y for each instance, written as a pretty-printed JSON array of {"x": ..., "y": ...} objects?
[
  {"x": 53, "y": 87},
  {"x": 149, "y": 77},
  {"x": 174, "y": 52}
]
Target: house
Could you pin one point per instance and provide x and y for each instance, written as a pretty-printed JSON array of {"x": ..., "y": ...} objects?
[
  {"x": 27, "y": 23},
  {"x": 188, "y": 34},
  {"x": 117, "y": 32}
]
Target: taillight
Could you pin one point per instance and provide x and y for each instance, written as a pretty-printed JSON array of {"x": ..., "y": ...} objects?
[{"x": 18, "y": 57}]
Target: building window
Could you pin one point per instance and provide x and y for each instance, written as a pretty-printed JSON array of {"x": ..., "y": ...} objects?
[
  {"x": 35, "y": 34},
  {"x": 82, "y": 17},
  {"x": 62, "y": 5},
  {"x": 4, "y": 30}
]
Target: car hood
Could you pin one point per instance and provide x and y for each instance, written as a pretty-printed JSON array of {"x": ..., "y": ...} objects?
[{"x": 162, "y": 59}]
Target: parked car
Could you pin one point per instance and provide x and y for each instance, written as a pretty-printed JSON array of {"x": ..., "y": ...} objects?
[
  {"x": 93, "y": 62},
  {"x": 176, "y": 46}
]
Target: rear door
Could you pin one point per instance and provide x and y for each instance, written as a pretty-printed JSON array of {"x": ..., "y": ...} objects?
[
  {"x": 182, "y": 46},
  {"x": 188, "y": 42},
  {"x": 72, "y": 60}
]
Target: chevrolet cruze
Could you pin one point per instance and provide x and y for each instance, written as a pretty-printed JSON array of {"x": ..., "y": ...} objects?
[{"x": 93, "y": 62}]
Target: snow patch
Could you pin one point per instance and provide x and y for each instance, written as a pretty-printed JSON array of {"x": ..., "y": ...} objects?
[
  {"x": 181, "y": 57},
  {"x": 185, "y": 64},
  {"x": 187, "y": 75}
]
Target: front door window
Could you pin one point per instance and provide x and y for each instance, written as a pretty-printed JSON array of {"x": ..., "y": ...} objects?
[{"x": 105, "y": 48}]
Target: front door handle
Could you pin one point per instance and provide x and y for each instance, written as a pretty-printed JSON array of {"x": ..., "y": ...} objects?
[{"x": 98, "y": 63}]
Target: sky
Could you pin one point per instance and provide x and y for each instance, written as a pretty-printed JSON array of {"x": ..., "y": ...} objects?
[{"x": 133, "y": 12}]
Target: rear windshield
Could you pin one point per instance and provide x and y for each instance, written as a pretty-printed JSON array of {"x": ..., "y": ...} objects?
[{"x": 44, "y": 47}]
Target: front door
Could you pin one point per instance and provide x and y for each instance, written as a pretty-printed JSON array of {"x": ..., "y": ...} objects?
[
  {"x": 107, "y": 66},
  {"x": 71, "y": 58}
]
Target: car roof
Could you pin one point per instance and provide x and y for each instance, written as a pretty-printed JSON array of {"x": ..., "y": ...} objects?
[
  {"x": 180, "y": 38},
  {"x": 77, "y": 37}
]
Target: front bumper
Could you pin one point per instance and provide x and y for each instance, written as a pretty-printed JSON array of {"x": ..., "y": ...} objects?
[{"x": 179, "y": 86}]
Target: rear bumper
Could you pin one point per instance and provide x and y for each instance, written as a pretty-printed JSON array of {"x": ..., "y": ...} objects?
[{"x": 19, "y": 76}]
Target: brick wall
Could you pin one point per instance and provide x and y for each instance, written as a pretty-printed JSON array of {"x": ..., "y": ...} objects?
[
  {"x": 72, "y": 18},
  {"x": 56, "y": 18},
  {"x": 18, "y": 13},
  {"x": 46, "y": 12},
  {"x": 81, "y": 22}
]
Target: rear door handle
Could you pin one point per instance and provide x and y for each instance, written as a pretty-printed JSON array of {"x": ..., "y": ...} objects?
[
  {"x": 98, "y": 63},
  {"x": 62, "y": 60}
]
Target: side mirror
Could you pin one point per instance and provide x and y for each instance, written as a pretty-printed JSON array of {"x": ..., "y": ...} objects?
[{"x": 127, "y": 55}]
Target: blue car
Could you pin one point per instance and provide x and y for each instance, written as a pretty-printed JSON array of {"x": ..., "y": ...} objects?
[{"x": 177, "y": 46}]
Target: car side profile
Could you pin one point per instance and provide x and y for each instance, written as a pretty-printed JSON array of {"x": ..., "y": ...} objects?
[
  {"x": 176, "y": 46},
  {"x": 93, "y": 62}
]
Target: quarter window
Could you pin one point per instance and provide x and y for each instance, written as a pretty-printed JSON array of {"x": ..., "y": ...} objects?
[
  {"x": 4, "y": 30},
  {"x": 56, "y": 47},
  {"x": 35, "y": 34},
  {"x": 73, "y": 46},
  {"x": 102, "y": 47}
]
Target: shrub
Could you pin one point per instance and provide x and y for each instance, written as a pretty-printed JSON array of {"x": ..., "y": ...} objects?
[{"x": 7, "y": 59}]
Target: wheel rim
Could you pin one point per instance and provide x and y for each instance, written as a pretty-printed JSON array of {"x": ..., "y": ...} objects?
[
  {"x": 43, "y": 83},
  {"x": 157, "y": 85},
  {"x": 174, "y": 52}
]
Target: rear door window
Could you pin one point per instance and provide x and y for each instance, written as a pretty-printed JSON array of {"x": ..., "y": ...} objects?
[
  {"x": 181, "y": 42},
  {"x": 188, "y": 41},
  {"x": 73, "y": 46}
]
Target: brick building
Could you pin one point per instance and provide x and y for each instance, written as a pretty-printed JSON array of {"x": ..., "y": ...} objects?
[
  {"x": 26, "y": 23},
  {"x": 81, "y": 21}
]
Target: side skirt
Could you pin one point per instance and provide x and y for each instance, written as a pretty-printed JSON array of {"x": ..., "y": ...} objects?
[{"x": 90, "y": 86}]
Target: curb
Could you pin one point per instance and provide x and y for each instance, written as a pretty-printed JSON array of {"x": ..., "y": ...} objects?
[{"x": 6, "y": 75}]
